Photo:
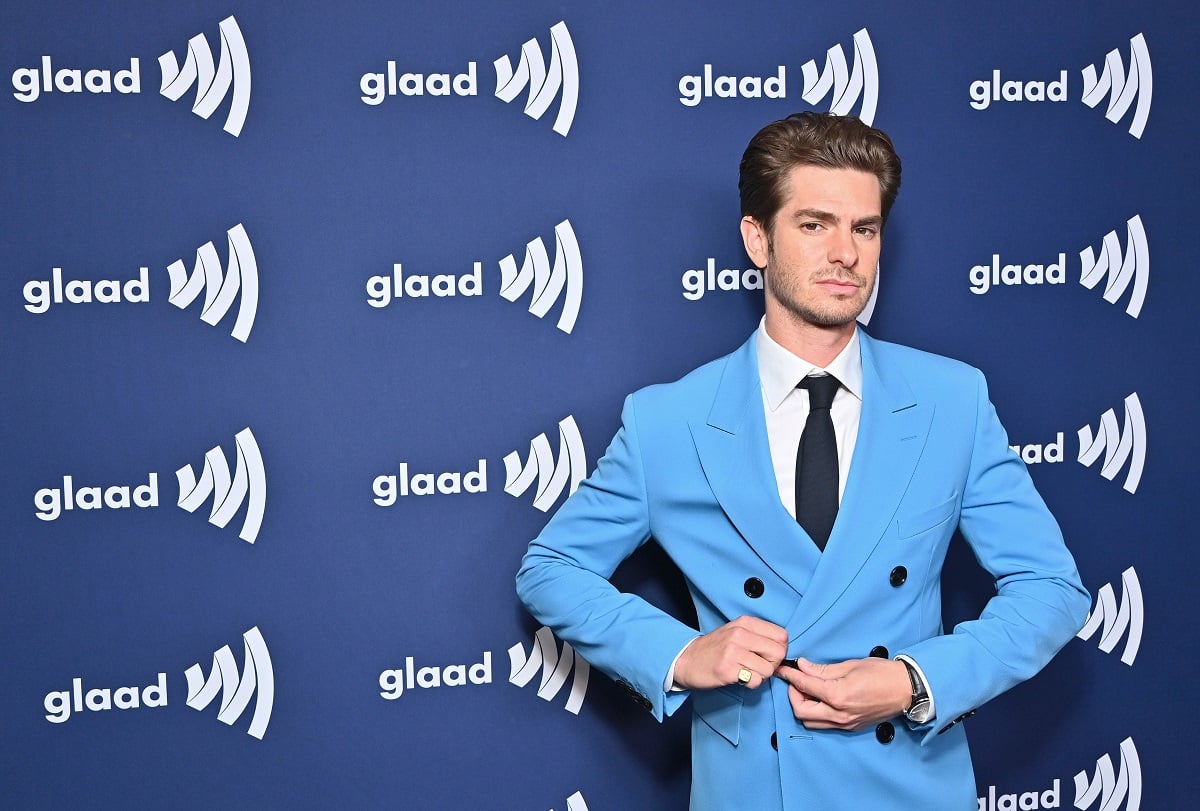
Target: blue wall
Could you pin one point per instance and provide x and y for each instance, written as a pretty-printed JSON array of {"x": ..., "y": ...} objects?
[{"x": 313, "y": 183}]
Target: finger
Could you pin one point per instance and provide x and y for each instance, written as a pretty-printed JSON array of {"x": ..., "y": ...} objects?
[
  {"x": 763, "y": 628},
  {"x": 821, "y": 671},
  {"x": 809, "y": 711},
  {"x": 813, "y": 688}
]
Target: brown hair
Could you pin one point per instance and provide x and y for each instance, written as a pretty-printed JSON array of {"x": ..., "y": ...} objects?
[{"x": 813, "y": 139}]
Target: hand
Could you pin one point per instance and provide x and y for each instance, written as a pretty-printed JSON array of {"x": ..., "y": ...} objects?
[
  {"x": 848, "y": 695},
  {"x": 716, "y": 658}
]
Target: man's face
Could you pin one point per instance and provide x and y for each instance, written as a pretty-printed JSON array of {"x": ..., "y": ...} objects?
[{"x": 823, "y": 251}]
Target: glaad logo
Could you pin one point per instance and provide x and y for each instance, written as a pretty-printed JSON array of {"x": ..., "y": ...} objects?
[
  {"x": 549, "y": 282},
  {"x": 1118, "y": 445},
  {"x": 1122, "y": 89},
  {"x": 393, "y": 683},
  {"x": 1110, "y": 787},
  {"x": 257, "y": 681},
  {"x": 1119, "y": 268},
  {"x": 845, "y": 86},
  {"x": 544, "y": 656},
  {"x": 213, "y": 83},
  {"x": 562, "y": 280},
  {"x": 247, "y": 485},
  {"x": 220, "y": 289},
  {"x": 1112, "y": 622},
  {"x": 552, "y": 476},
  {"x": 543, "y": 86},
  {"x": 561, "y": 80}
]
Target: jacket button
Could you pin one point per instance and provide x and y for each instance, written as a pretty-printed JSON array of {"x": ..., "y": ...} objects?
[
  {"x": 885, "y": 732},
  {"x": 754, "y": 588},
  {"x": 879, "y": 652},
  {"x": 775, "y": 741},
  {"x": 898, "y": 576}
]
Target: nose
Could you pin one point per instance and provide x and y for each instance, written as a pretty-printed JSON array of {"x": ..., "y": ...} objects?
[{"x": 842, "y": 248}]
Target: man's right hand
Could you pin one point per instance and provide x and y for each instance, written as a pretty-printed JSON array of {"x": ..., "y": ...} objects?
[{"x": 716, "y": 658}]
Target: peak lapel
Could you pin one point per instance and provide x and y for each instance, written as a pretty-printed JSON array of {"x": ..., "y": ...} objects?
[{"x": 736, "y": 457}]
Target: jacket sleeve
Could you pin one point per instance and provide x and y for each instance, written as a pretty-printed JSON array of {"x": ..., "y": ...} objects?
[
  {"x": 1040, "y": 603},
  {"x": 564, "y": 577}
]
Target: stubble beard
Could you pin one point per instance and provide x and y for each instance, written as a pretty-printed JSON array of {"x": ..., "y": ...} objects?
[{"x": 841, "y": 311}]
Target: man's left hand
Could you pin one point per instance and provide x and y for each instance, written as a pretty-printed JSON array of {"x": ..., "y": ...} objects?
[{"x": 848, "y": 695}]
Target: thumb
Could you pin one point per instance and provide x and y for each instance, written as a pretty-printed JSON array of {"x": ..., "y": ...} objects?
[{"x": 813, "y": 669}]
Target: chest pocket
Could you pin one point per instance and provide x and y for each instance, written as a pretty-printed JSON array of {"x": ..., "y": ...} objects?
[{"x": 913, "y": 524}]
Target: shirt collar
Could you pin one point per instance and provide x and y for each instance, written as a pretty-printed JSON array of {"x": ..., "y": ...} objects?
[{"x": 780, "y": 371}]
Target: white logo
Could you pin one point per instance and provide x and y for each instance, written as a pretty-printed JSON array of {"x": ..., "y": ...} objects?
[
  {"x": 543, "y": 85},
  {"x": 845, "y": 86},
  {"x": 1120, "y": 268},
  {"x": 1109, "y": 787},
  {"x": 248, "y": 485},
  {"x": 549, "y": 282},
  {"x": 212, "y": 83},
  {"x": 220, "y": 289},
  {"x": 1113, "y": 622},
  {"x": 555, "y": 667},
  {"x": 392, "y": 683},
  {"x": 1049, "y": 798},
  {"x": 59, "y": 704},
  {"x": 560, "y": 80},
  {"x": 1119, "y": 445},
  {"x": 575, "y": 802},
  {"x": 257, "y": 680},
  {"x": 553, "y": 477},
  {"x": 1122, "y": 89}
]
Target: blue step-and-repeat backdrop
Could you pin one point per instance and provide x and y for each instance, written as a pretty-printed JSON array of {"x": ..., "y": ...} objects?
[{"x": 311, "y": 313}]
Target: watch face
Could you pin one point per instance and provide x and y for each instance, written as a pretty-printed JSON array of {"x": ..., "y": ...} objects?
[{"x": 919, "y": 712}]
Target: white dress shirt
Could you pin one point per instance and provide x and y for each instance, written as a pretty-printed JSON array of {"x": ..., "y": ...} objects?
[{"x": 786, "y": 408}]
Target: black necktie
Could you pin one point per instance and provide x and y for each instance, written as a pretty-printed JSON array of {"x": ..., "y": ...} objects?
[{"x": 817, "y": 462}]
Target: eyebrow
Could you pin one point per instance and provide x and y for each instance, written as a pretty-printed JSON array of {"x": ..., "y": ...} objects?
[{"x": 825, "y": 216}]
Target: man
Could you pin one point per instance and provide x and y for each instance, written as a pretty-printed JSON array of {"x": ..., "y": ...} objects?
[{"x": 821, "y": 677}]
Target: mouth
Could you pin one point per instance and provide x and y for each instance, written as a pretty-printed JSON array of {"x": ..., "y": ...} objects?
[{"x": 839, "y": 287}]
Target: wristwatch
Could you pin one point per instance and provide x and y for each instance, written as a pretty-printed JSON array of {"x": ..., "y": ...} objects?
[{"x": 919, "y": 709}]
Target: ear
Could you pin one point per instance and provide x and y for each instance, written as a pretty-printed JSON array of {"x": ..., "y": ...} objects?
[{"x": 755, "y": 238}]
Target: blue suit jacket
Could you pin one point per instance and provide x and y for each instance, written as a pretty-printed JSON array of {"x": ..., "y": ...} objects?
[{"x": 691, "y": 468}]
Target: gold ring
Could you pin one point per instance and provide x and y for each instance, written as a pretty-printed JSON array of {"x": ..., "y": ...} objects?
[{"x": 744, "y": 676}]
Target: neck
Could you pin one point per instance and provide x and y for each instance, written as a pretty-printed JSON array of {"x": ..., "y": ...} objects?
[{"x": 816, "y": 344}]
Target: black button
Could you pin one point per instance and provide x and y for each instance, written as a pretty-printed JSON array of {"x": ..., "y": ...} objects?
[
  {"x": 754, "y": 588},
  {"x": 885, "y": 732},
  {"x": 879, "y": 652},
  {"x": 898, "y": 576},
  {"x": 775, "y": 741}
]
